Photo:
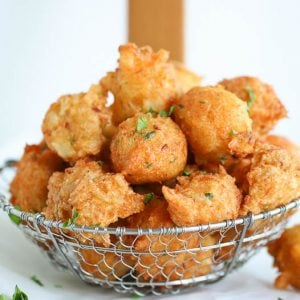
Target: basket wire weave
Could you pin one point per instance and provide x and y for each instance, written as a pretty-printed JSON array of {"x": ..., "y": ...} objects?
[{"x": 166, "y": 259}]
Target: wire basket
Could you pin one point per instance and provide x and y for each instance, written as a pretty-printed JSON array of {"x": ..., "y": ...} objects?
[{"x": 145, "y": 261}]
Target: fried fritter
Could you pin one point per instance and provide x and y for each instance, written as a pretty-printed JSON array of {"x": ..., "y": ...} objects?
[
  {"x": 203, "y": 198},
  {"x": 185, "y": 79},
  {"x": 29, "y": 187},
  {"x": 239, "y": 171},
  {"x": 167, "y": 265},
  {"x": 264, "y": 106},
  {"x": 144, "y": 80},
  {"x": 215, "y": 122},
  {"x": 286, "y": 253},
  {"x": 273, "y": 179},
  {"x": 99, "y": 198},
  {"x": 148, "y": 149},
  {"x": 73, "y": 126},
  {"x": 283, "y": 143}
]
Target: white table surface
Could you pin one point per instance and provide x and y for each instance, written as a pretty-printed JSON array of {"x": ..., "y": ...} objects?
[{"x": 19, "y": 260}]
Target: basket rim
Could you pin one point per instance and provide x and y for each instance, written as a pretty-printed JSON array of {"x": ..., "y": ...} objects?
[{"x": 40, "y": 219}]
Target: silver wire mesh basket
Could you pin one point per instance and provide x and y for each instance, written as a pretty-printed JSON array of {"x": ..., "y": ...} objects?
[{"x": 144, "y": 261}]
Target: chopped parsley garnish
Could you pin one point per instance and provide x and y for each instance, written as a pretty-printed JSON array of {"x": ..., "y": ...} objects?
[
  {"x": 19, "y": 295},
  {"x": 149, "y": 135},
  {"x": 135, "y": 296},
  {"x": 17, "y": 220},
  {"x": 209, "y": 195},
  {"x": 223, "y": 159},
  {"x": 169, "y": 113},
  {"x": 186, "y": 173},
  {"x": 36, "y": 280},
  {"x": 171, "y": 110},
  {"x": 233, "y": 132},
  {"x": 152, "y": 111},
  {"x": 72, "y": 220},
  {"x": 142, "y": 123},
  {"x": 251, "y": 94},
  {"x": 148, "y": 198},
  {"x": 181, "y": 106},
  {"x": 148, "y": 165}
]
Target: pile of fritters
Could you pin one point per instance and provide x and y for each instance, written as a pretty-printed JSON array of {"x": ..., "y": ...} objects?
[{"x": 168, "y": 152}]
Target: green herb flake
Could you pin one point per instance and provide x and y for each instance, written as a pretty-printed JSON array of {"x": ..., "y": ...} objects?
[
  {"x": 148, "y": 165},
  {"x": 209, "y": 195},
  {"x": 149, "y": 135},
  {"x": 251, "y": 94},
  {"x": 169, "y": 113},
  {"x": 148, "y": 198},
  {"x": 163, "y": 113},
  {"x": 72, "y": 220},
  {"x": 36, "y": 280},
  {"x": 15, "y": 219},
  {"x": 171, "y": 110},
  {"x": 19, "y": 295},
  {"x": 181, "y": 106},
  {"x": 186, "y": 173},
  {"x": 233, "y": 132},
  {"x": 142, "y": 123},
  {"x": 135, "y": 296},
  {"x": 152, "y": 111}
]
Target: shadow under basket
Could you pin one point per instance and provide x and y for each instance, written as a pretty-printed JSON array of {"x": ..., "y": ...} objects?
[{"x": 153, "y": 260}]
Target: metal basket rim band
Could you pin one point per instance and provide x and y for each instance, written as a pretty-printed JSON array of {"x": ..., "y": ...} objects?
[{"x": 40, "y": 219}]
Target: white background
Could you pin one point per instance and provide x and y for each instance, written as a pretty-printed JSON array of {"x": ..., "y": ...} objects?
[{"x": 48, "y": 48}]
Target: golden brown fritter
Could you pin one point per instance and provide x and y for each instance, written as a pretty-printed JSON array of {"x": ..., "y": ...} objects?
[
  {"x": 73, "y": 126},
  {"x": 185, "y": 79},
  {"x": 167, "y": 265},
  {"x": 273, "y": 179},
  {"x": 286, "y": 253},
  {"x": 105, "y": 265},
  {"x": 148, "y": 149},
  {"x": 203, "y": 198},
  {"x": 215, "y": 122},
  {"x": 99, "y": 198},
  {"x": 145, "y": 80},
  {"x": 29, "y": 187},
  {"x": 264, "y": 106},
  {"x": 239, "y": 171},
  {"x": 284, "y": 143}
]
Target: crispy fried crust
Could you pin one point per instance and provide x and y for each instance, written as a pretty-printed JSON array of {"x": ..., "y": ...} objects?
[
  {"x": 99, "y": 198},
  {"x": 273, "y": 179},
  {"x": 162, "y": 267},
  {"x": 145, "y": 79},
  {"x": 29, "y": 187},
  {"x": 286, "y": 253},
  {"x": 73, "y": 125},
  {"x": 215, "y": 122},
  {"x": 284, "y": 143},
  {"x": 156, "y": 153},
  {"x": 266, "y": 109},
  {"x": 185, "y": 79},
  {"x": 203, "y": 198}
]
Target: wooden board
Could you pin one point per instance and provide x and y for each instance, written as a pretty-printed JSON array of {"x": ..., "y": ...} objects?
[{"x": 159, "y": 24}]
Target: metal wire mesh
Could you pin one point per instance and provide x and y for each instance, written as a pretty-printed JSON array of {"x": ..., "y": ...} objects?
[{"x": 157, "y": 260}]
